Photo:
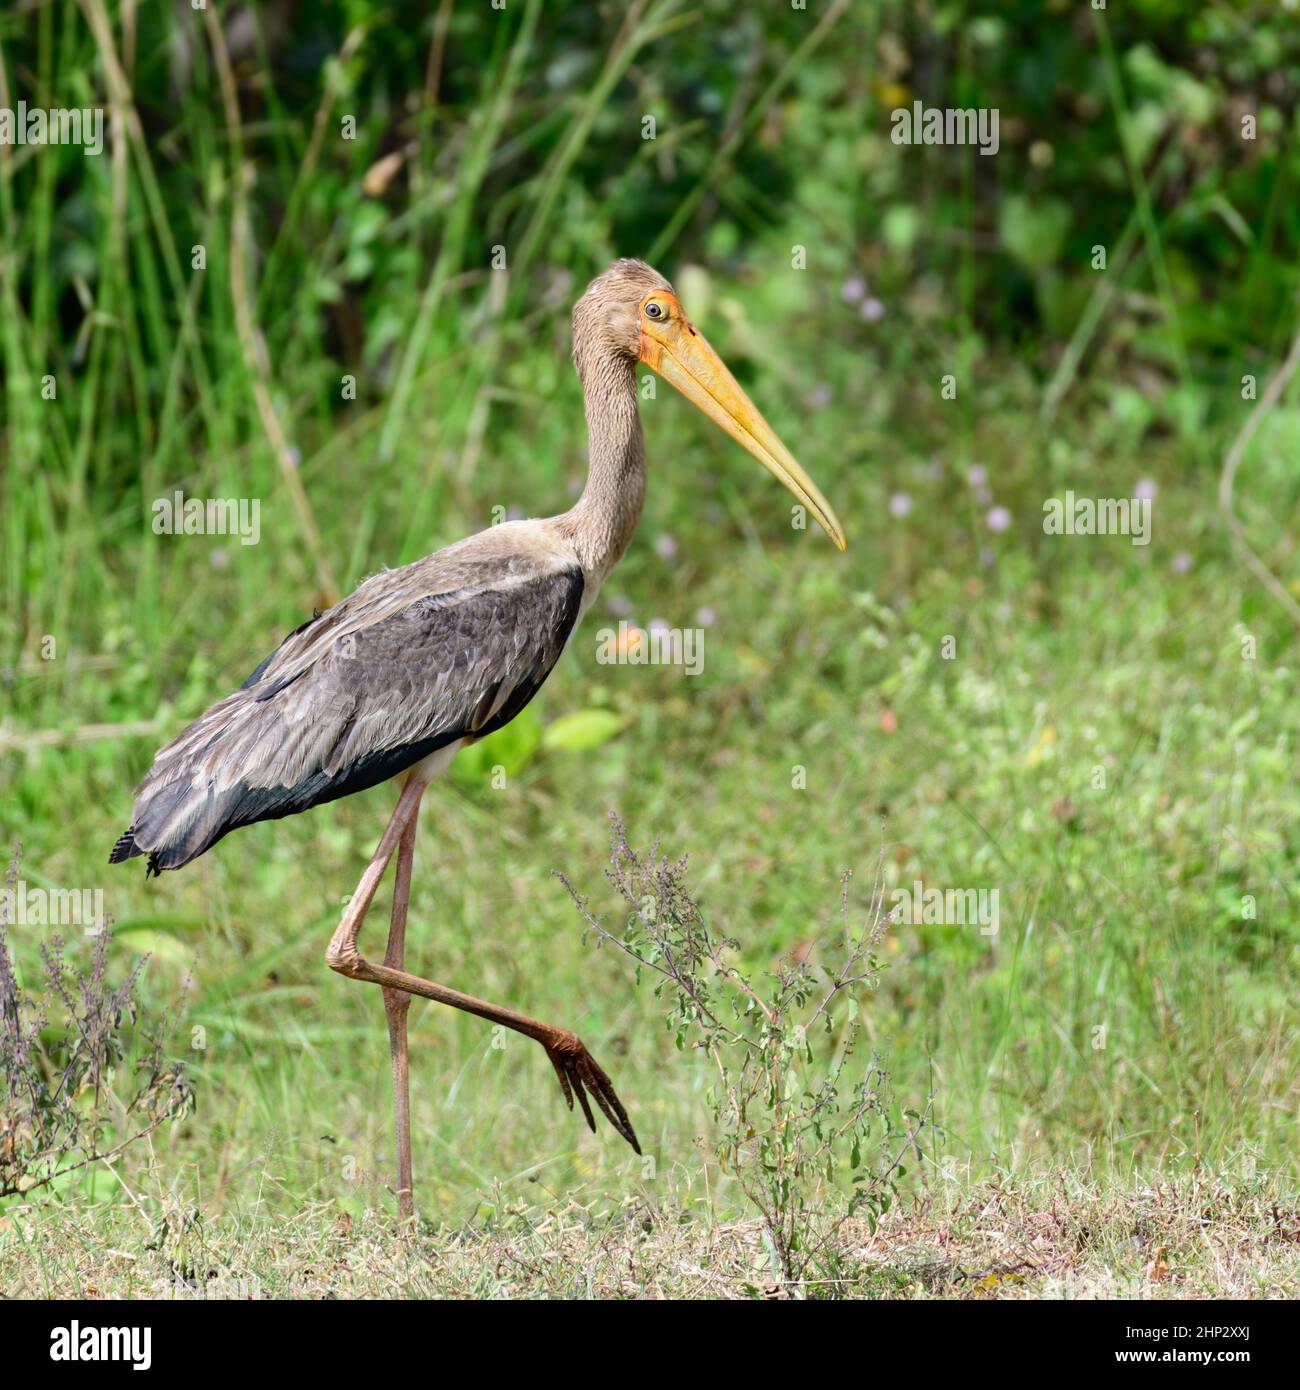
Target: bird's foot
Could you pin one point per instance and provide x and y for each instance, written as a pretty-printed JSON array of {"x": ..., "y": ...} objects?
[{"x": 579, "y": 1073}]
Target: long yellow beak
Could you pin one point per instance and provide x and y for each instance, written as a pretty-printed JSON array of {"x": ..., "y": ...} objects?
[{"x": 682, "y": 356}]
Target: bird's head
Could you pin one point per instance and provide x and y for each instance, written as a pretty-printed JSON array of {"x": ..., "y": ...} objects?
[{"x": 630, "y": 313}]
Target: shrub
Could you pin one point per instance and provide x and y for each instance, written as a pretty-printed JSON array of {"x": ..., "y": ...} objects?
[
  {"x": 797, "y": 1103},
  {"x": 58, "y": 1108}
]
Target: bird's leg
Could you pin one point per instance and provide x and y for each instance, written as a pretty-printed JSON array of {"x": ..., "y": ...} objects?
[
  {"x": 397, "y": 1003},
  {"x": 576, "y": 1068},
  {"x": 399, "y": 834}
]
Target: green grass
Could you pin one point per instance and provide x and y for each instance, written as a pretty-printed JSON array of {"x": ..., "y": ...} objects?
[
  {"x": 1123, "y": 905},
  {"x": 1120, "y": 907}
]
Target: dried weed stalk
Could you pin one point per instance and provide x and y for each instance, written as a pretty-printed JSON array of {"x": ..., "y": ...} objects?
[
  {"x": 798, "y": 1101},
  {"x": 59, "y": 1110}
]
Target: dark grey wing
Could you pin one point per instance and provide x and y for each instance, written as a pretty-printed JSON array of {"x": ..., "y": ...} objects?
[{"x": 355, "y": 697}]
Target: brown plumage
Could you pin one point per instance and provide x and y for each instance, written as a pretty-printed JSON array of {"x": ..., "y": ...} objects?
[
  {"x": 418, "y": 658},
  {"x": 422, "y": 659}
]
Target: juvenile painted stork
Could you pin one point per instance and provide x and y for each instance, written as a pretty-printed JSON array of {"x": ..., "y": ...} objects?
[{"x": 421, "y": 660}]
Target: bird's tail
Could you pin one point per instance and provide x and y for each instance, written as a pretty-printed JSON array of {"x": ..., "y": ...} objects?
[{"x": 126, "y": 848}]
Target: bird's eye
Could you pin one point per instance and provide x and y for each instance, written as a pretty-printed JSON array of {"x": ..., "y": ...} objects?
[{"x": 654, "y": 310}]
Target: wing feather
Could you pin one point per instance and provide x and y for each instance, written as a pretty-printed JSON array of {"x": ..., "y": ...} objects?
[{"x": 449, "y": 648}]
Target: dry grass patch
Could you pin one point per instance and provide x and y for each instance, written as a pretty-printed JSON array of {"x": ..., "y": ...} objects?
[{"x": 1048, "y": 1237}]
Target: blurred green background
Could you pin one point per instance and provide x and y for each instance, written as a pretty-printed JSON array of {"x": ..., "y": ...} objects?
[{"x": 350, "y": 171}]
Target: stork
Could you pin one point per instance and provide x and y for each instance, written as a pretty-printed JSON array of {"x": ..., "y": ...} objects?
[{"x": 419, "y": 661}]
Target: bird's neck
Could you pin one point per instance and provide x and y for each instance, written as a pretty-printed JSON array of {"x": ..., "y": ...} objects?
[{"x": 600, "y": 524}]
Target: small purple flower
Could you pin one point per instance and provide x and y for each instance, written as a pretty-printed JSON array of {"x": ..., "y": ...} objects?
[
  {"x": 619, "y": 605},
  {"x": 900, "y": 504},
  {"x": 1182, "y": 562},
  {"x": 705, "y": 616},
  {"x": 853, "y": 289},
  {"x": 665, "y": 546},
  {"x": 977, "y": 475},
  {"x": 872, "y": 310},
  {"x": 1145, "y": 490},
  {"x": 819, "y": 397},
  {"x": 997, "y": 519}
]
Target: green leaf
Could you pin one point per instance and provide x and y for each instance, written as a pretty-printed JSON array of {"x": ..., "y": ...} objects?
[
  {"x": 1033, "y": 230},
  {"x": 159, "y": 945},
  {"x": 586, "y": 728},
  {"x": 512, "y": 748}
]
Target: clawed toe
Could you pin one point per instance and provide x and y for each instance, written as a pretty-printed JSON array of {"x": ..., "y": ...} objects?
[{"x": 579, "y": 1074}]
